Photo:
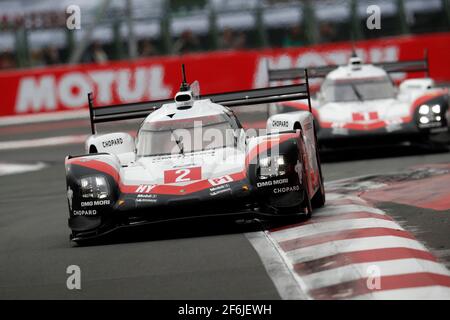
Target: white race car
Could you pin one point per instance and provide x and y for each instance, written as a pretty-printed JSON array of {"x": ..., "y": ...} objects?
[
  {"x": 192, "y": 159},
  {"x": 361, "y": 101}
]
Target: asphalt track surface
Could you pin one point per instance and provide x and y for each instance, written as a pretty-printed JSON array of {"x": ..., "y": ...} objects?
[{"x": 189, "y": 261}]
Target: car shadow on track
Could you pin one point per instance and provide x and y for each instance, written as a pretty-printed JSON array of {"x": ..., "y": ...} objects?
[{"x": 207, "y": 227}]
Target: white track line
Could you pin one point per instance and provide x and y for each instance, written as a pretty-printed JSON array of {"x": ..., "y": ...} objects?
[
  {"x": 286, "y": 281},
  {"x": 44, "y": 117},
  {"x": 42, "y": 142},
  {"x": 349, "y": 245},
  {"x": 332, "y": 226},
  {"x": 15, "y": 168}
]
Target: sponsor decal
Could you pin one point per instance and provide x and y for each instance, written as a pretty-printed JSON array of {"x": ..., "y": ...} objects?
[
  {"x": 339, "y": 130},
  {"x": 112, "y": 142},
  {"x": 286, "y": 189},
  {"x": 84, "y": 212},
  {"x": 220, "y": 180},
  {"x": 95, "y": 203},
  {"x": 218, "y": 190},
  {"x": 145, "y": 188},
  {"x": 390, "y": 127},
  {"x": 146, "y": 198},
  {"x": 223, "y": 186},
  {"x": 280, "y": 123},
  {"x": 65, "y": 88},
  {"x": 272, "y": 182}
]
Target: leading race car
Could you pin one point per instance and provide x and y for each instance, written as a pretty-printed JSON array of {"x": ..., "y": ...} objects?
[
  {"x": 361, "y": 101},
  {"x": 191, "y": 158}
]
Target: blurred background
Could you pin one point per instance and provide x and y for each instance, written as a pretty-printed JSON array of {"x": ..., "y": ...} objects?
[{"x": 33, "y": 33}]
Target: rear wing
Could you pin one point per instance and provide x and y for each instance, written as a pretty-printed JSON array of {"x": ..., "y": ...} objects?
[
  {"x": 298, "y": 73},
  {"x": 228, "y": 99},
  {"x": 321, "y": 72}
]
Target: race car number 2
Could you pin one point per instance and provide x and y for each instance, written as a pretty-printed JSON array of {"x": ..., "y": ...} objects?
[{"x": 182, "y": 175}]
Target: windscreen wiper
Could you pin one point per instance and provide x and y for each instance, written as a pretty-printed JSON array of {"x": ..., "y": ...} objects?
[
  {"x": 178, "y": 141},
  {"x": 357, "y": 93}
]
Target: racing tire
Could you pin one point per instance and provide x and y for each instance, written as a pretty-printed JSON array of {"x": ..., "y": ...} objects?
[
  {"x": 306, "y": 204},
  {"x": 302, "y": 211},
  {"x": 318, "y": 201}
]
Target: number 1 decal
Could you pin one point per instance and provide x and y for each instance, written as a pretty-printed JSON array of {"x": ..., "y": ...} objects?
[{"x": 182, "y": 175}]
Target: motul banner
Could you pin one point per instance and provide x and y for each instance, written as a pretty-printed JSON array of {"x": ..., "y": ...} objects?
[{"x": 65, "y": 88}]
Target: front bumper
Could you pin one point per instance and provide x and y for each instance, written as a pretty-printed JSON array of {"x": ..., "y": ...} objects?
[
  {"x": 400, "y": 131},
  {"x": 134, "y": 219},
  {"x": 239, "y": 201}
]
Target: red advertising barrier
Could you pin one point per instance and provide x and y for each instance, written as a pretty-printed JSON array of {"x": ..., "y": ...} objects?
[{"x": 65, "y": 88}]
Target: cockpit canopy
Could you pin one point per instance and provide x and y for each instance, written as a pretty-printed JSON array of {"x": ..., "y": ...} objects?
[
  {"x": 179, "y": 136},
  {"x": 357, "y": 89}
]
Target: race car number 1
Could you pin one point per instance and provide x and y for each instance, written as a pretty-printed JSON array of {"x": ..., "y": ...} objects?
[{"x": 182, "y": 175}]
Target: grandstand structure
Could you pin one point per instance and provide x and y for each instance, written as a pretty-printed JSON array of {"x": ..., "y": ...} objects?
[{"x": 128, "y": 29}]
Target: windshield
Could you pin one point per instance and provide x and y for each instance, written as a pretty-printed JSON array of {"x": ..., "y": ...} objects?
[
  {"x": 358, "y": 90},
  {"x": 184, "y": 136}
]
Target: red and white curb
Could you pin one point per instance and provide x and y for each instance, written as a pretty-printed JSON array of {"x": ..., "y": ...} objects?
[{"x": 350, "y": 250}]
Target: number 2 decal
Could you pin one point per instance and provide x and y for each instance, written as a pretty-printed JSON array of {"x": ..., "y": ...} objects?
[{"x": 182, "y": 175}]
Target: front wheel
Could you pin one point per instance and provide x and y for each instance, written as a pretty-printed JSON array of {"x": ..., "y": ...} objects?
[
  {"x": 307, "y": 205},
  {"x": 318, "y": 200}
]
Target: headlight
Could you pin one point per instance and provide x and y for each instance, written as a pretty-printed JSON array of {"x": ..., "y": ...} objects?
[
  {"x": 272, "y": 166},
  {"x": 430, "y": 116},
  {"x": 424, "y": 120},
  {"x": 436, "y": 108},
  {"x": 94, "y": 187},
  {"x": 424, "y": 109}
]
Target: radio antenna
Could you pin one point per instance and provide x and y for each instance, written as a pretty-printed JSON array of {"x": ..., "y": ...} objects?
[{"x": 184, "y": 85}]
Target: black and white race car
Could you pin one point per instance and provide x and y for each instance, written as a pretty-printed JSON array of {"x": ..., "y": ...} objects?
[
  {"x": 362, "y": 101},
  {"x": 191, "y": 158}
]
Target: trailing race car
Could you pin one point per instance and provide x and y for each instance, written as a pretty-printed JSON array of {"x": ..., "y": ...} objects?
[
  {"x": 192, "y": 159},
  {"x": 361, "y": 100}
]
